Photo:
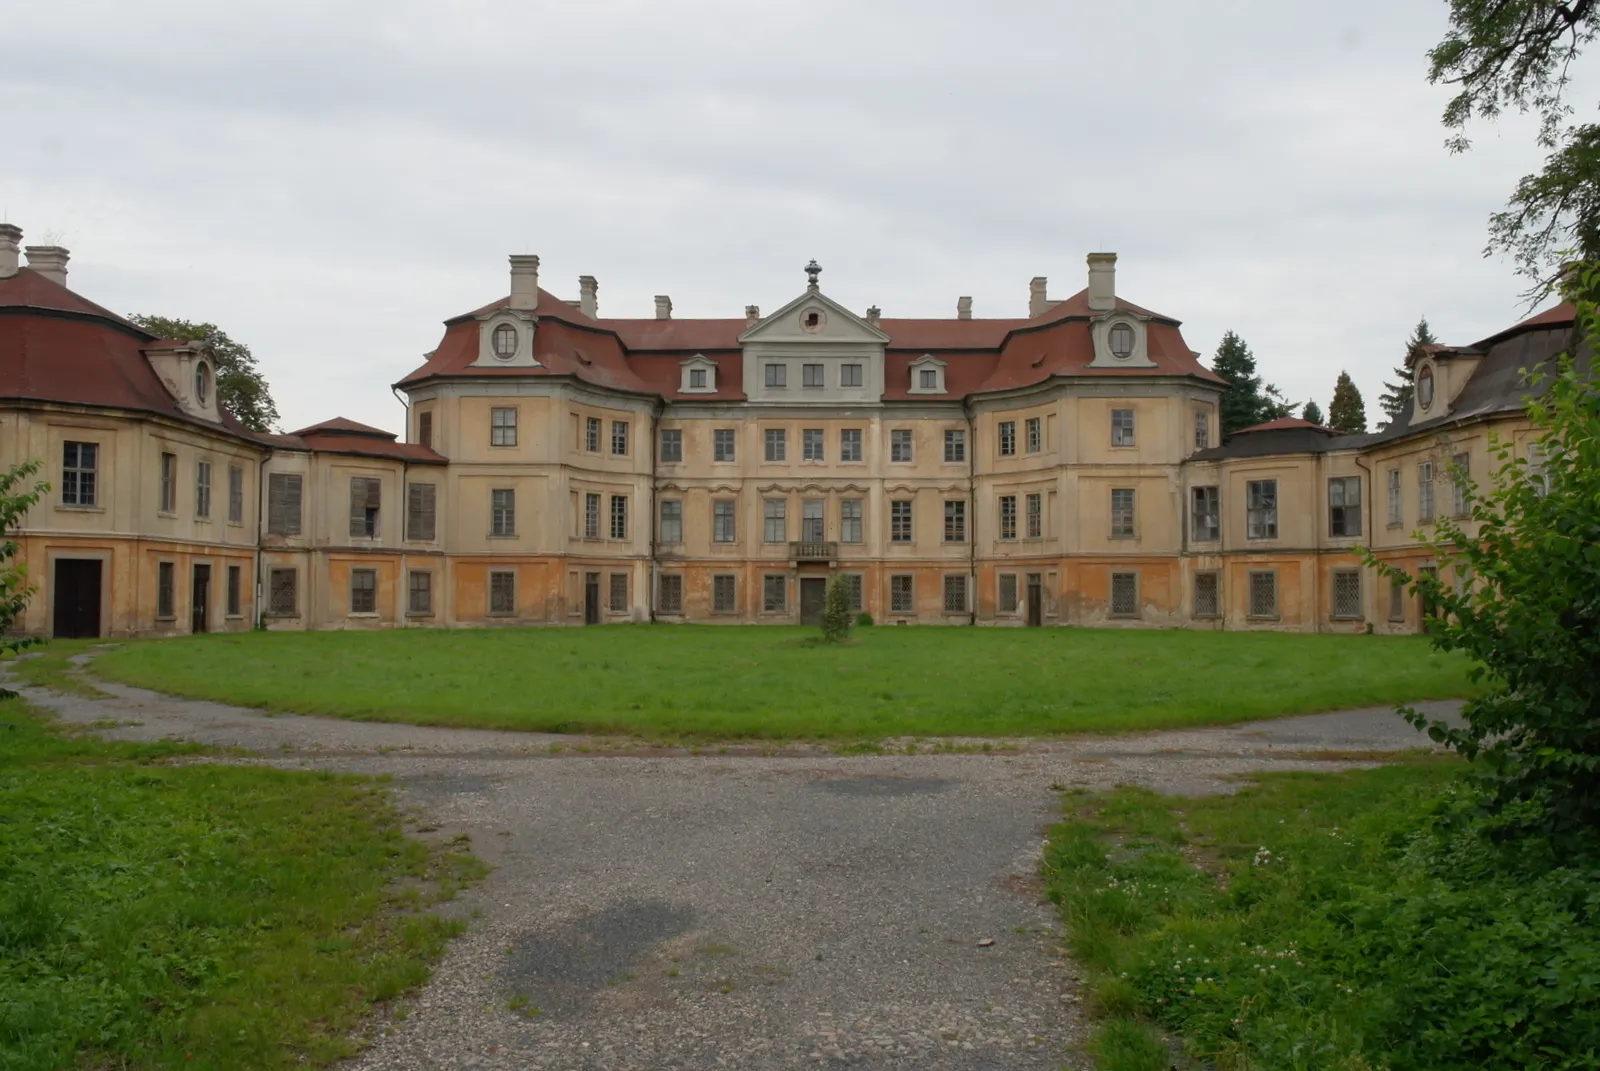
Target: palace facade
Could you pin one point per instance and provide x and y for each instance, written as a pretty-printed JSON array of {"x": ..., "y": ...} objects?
[{"x": 560, "y": 467}]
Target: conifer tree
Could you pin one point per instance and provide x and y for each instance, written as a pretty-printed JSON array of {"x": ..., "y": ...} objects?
[
  {"x": 1396, "y": 396},
  {"x": 1312, "y": 412},
  {"x": 1247, "y": 400},
  {"x": 1347, "y": 413}
]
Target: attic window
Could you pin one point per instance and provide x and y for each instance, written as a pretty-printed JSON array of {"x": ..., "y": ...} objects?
[
  {"x": 1121, "y": 341},
  {"x": 505, "y": 342},
  {"x": 697, "y": 379},
  {"x": 202, "y": 382},
  {"x": 1425, "y": 386},
  {"x": 812, "y": 320}
]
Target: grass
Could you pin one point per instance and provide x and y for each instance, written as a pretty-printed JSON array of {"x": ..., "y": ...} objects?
[
  {"x": 778, "y": 683},
  {"x": 1325, "y": 921},
  {"x": 158, "y": 914}
]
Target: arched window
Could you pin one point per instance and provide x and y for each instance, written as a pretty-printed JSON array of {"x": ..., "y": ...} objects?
[
  {"x": 1425, "y": 387},
  {"x": 505, "y": 342},
  {"x": 202, "y": 382},
  {"x": 1121, "y": 341}
]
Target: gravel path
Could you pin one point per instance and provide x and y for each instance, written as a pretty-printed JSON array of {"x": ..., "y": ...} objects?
[{"x": 658, "y": 910}]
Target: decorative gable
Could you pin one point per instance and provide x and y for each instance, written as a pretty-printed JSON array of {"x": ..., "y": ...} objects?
[
  {"x": 505, "y": 340},
  {"x": 699, "y": 375},
  {"x": 813, "y": 351},
  {"x": 927, "y": 375},
  {"x": 189, "y": 372},
  {"x": 813, "y": 317},
  {"x": 1121, "y": 340}
]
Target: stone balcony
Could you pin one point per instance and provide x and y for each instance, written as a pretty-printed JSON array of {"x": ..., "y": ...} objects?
[{"x": 814, "y": 550}]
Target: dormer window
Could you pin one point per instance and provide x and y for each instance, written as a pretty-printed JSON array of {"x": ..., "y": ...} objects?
[
  {"x": 927, "y": 375},
  {"x": 697, "y": 379},
  {"x": 1425, "y": 387},
  {"x": 505, "y": 342},
  {"x": 928, "y": 379},
  {"x": 202, "y": 382},
  {"x": 1120, "y": 339},
  {"x": 699, "y": 375}
]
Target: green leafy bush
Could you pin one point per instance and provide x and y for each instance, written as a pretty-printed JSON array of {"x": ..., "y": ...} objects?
[
  {"x": 864, "y": 620},
  {"x": 836, "y": 613}
]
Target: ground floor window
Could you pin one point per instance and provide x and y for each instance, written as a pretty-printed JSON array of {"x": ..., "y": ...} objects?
[
  {"x": 502, "y": 592},
  {"x": 669, "y": 597},
  {"x": 1347, "y": 593},
  {"x": 1008, "y": 593},
  {"x": 283, "y": 594},
  {"x": 852, "y": 589},
  {"x": 724, "y": 593},
  {"x": 1207, "y": 596},
  {"x": 235, "y": 582},
  {"x": 1397, "y": 599},
  {"x": 363, "y": 591},
  {"x": 419, "y": 599},
  {"x": 1263, "y": 593},
  {"x": 1124, "y": 594},
  {"x": 166, "y": 574},
  {"x": 774, "y": 593},
  {"x": 902, "y": 598},
  {"x": 955, "y": 593},
  {"x": 619, "y": 593}
]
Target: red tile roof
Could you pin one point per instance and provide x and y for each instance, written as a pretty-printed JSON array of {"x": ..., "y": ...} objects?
[
  {"x": 344, "y": 436},
  {"x": 1288, "y": 423},
  {"x": 344, "y": 426}
]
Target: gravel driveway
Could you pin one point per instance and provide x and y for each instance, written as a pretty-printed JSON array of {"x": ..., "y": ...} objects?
[{"x": 665, "y": 910}]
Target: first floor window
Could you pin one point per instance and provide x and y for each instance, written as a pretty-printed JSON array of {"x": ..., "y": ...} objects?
[
  {"x": 672, "y": 520},
  {"x": 235, "y": 583},
  {"x": 722, "y": 522},
  {"x": 1397, "y": 599},
  {"x": 1202, "y": 430},
  {"x": 902, "y": 598},
  {"x": 1207, "y": 595},
  {"x": 811, "y": 376},
  {"x": 672, "y": 443},
  {"x": 1124, "y": 594},
  {"x": 419, "y": 595},
  {"x": 366, "y": 496},
  {"x": 900, "y": 521},
  {"x": 80, "y": 463},
  {"x": 1425, "y": 493},
  {"x": 619, "y": 438},
  {"x": 503, "y": 512},
  {"x": 1344, "y": 506},
  {"x": 1122, "y": 427},
  {"x": 619, "y": 517},
  {"x": 774, "y": 593},
  {"x": 1263, "y": 593},
  {"x": 777, "y": 444},
  {"x": 724, "y": 591},
  {"x": 202, "y": 488},
  {"x": 1460, "y": 482},
  {"x": 421, "y": 511},
  {"x": 775, "y": 520},
  {"x": 619, "y": 593},
  {"x": 1035, "y": 432},
  {"x": 503, "y": 426},
  {"x": 900, "y": 444},
  {"x": 852, "y": 589},
  {"x": 850, "y": 520},
  {"x": 1396, "y": 510},
  {"x": 591, "y": 516},
  {"x": 850, "y": 375},
  {"x": 1035, "y": 516},
  {"x": 1347, "y": 593},
  {"x": 1008, "y": 438},
  {"x": 1205, "y": 514},
  {"x": 850, "y": 444},
  {"x": 591, "y": 435},
  {"x": 812, "y": 522},
  {"x": 235, "y": 494},
  {"x": 669, "y": 596},
  {"x": 1261, "y": 509},
  {"x": 777, "y": 376},
  {"x": 1122, "y": 517},
  {"x": 166, "y": 600},
  {"x": 722, "y": 444},
  {"x": 363, "y": 591},
  {"x": 955, "y": 444},
  {"x": 955, "y": 593},
  {"x": 283, "y": 504},
  {"x": 502, "y": 592},
  {"x": 1008, "y": 593},
  {"x": 169, "y": 483},
  {"x": 282, "y": 596},
  {"x": 955, "y": 522},
  {"x": 811, "y": 444},
  {"x": 1008, "y": 516}
]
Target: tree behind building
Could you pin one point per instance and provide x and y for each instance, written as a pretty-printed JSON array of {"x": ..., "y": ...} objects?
[
  {"x": 1312, "y": 412},
  {"x": 1247, "y": 400},
  {"x": 1396, "y": 397},
  {"x": 1347, "y": 413},
  {"x": 241, "y": 388}
]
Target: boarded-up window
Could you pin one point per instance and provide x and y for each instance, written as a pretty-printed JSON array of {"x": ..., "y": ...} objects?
[
  {"x": 902, "y": 595},
  {"x": 1397, "y": 599},
  {"x": 774, "y": 593},
  {"x": 955, "y": 593},
  {"x": 1008, "y": 593},
  {"x": 502, "y": 592},
  {"x": 619, "y": 593},
  {"x": 1347, "y": 593},
  {"x": 419, "y": 599},
  {"x": 425, "y": 429},
  {"x": 283, "y": 504},
  {"x": 366, "y": 495},
  {"x": 724, "y": 593},
  {"x": 669, "y": 599},
  {"x": 202, "y": 489},
  {"x": 169, "y": 483},
  {"x": 1207, "y": 596},
  {"x": 165, "y": 600},
  {"x": 852, "y": 589},
  {"x": 1461, "y": 482},
  {"x": 1124, "y": 594},
  {"x": 363, "y": 591},
  {"x": 1263, "y": 593},
  {"x": 283, "y": 597},
  {"x": 421, "y": 511},
  {"x": 235, "y": 494}
]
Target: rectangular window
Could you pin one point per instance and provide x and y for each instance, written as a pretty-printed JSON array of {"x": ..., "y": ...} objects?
[
  {"x": 777, "y": 444},
  {"x": 902, "y": 596},
  {"x": 722, "y": 444},
  {"x": 235, "y": 584},
  {"x": 1122, "y": 517},
  {"x": 955, "y": 593},
  {"x": 1397, "y": 599},
  {"x": 1122, "y": 427},
  {"x": 900, "y": 521},
  {"x": 774, "y": 520},
  {"x": 955, "y": 444},
  {"x": 502, "y": 592},
  {"x": 169, "y": 483},
  {"x": 1008, "y": 516},
  {"x": 1207, "y": 595},
  {"x": 1205, "y": 514},
  {"x": 619, "y": 516},
  {"x": 166, "y": 574},
  {"x": 425, "y": 428},
  {"x": 852, "y": 590},
  {"x": 363, "y": 591},
  {"x": 1124, "y": 594},
  {"x": 777, "y": 376},
  {"x": 1202, "y": 430},
  {"x": 503, "y": 512},
  {"x": 672, "y": 520},
  {"x": 1347, "y": 593},
  {"x": 1261, "y": 509},
  {"x": 697, "y": 379},
  {"x": 1035, "y": 432},
  {"x": 235, "y": 494},
  {"x": 591, "y": 516},
  {"x": 1263, "y": 593},
  {"x": 722, "y": 522},
  {"x": 1396, "y": 510},
  {"x": 619, "y": 593},
  {"x": 366, "y": 493},
  {"x": 671, "y": 445},
  {"x": 811, "y": 376},
  {"x": 619, "y": 438},
  {"x": 503, "y": 426},
  {"x": 669, "y": 593},
  {"x": 955, "y": 522},
  {"x": 811, "y": 444},
  {"x": 282, "y": 596},
  {"x": 1008, "y": 593},
  {"x": 1425, "y": 493},
  {"x": 900, "y": 444},
  {"x": 850, "y": 444},
  {"x": 1344, "y": 506},
  {"x": 591, "y": 435},
  {"x": 1008, "y": 438},
  {"x": 79, "y": 465},
  {"x": 419, "y": 592},
  {"x": 1460, "y": 480},
  {"x": 850, "y": 520},
  {"x": 724, "y": 594},
  {"x": 1035, "y": 503},
  {"x": 283, "y": 504},
  {"x": 850, "y": 375},
  {"x": 202, "y": 489},
  {"x": 774, "y": 593},
  {"x": 812, "y": 521},
  {"x": 421, "y": 512},
  {"x": 927, "y": 379}
]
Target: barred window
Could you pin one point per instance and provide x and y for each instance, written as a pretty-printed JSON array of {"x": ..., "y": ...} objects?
[
  {"x": 1263, "y": 593},
  {"x": 1122, "y": 515},
  {"x": 502, "y": 592},
  {"x": 777, "y": 444},
  {"x": 1035, "y": 433},
  {"x": 591, "y": 435},
  {"x": 774, "y": 520},
  {"x": 363, "y": 591},
  {"x": 1396, "y": 507},
  {"x": 724, "y": 590},
  {"x": 1261, "y": 509},
  {"x": 166, "y": 574},
  {"x": 202, "y": 489},
  {"x": 1008, "y": 593},
  {"x": 1008, "y": 438},
  {"x": 591, "y": 516},
  {"x": 672, "y": 443},
  {"x": 619, "y": 593},
  {"x": 851, "y": 583},
  {"x": 850, "y": 444},
  {"x": 366, "y": 495},
  {"x": 1207, "y": 595},
  {"x": 1460, "y": 482},
  {"x": 811, "y": 376},
  {"x": 1347, "y": 593},
  {"x": 79, "y": 468},
  {"x": 955, "y": 444},
  {"x": 1397, "y": 599},
  {"x": 850, "y": 375},
  {"x": 421, "y": 512},
  {"x": 900, "y": 521},
  {"x": 419, "y": 598},
  {"x": 1344, "y": 506},
  {"x": 1202, "y": 430},
  {"x": 1122, "y": 427},
  {"x": 722, "y": 521},
  {"x": 1425, "y": 493},
  {"x": 619, "y": 516},
  {"x": 1008, "y": 516},
  {"x": 955, "y": 522},
  {"x": 1035, "y": 503},
  {"x": 850, "y": 520},
  {"x": 900, "y": 444},
  {"x": 1205, "y": 514},
  {"x": 774, "y": 593},
  {"x": 1124, "y": 594},
  {"x": 169, "y": 483},
  {"x": 672, "y": 520},
  {"x": 503, "y": 512},
  {"x": 619, "y": 438},
  {"x": 901, "y": 594},
  {"x": 811, "y": 444},
  {"x": 503, "y": 426},
  {"x": 777, "y": 376},
  {"x": 722, "y": 444},
  {"x": 955, "y": 593},
  {"x": 669, "y": 596},
  {"x": 282, "y": 597},
  {"x": 235, "y": 494}
]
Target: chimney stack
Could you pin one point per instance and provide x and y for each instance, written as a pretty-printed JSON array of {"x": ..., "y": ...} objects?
[
  {"x": 1102, "y": 282},
  {"x": 10, "y": 240},
  {"x": 752, "y": 313},
  {"x": 524, "y": 282},
  {"x": 49, "y": 261},
  {"x": 874, "y": 314},
  {"x": 963, "y": 308},
  {"x": 588, "y": 296},
  {"x": 663, "y": 307},
  {"x": 1038, "y": 302}
]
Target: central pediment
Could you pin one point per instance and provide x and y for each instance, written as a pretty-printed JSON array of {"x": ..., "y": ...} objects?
[{"x": 813, "y": 317}]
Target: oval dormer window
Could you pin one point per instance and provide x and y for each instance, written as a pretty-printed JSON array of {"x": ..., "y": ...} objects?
[
  {"x": 202, "y": 382},
  {"x": 1121, "y": 341},
  {"x": 505, "y": 342},
  {"x": 1425, "y": 387}
]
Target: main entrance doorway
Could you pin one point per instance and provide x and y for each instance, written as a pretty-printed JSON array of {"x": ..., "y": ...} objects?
[
  {"x": 591, "y": 598},
  {"x": 77, "y": 598},
  {"x": 1035, "y": 601},
  {"x": 202, "y": 598},
  {"x": 813, "y": 597}
]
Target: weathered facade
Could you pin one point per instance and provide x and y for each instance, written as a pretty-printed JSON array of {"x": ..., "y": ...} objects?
[{"x": 564, "y": 468}]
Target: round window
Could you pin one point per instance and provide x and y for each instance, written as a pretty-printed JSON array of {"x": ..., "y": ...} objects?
[
  {"x": 202, "y": 382},
  {"x": 505, "y": 342},
  {"x": 1121, "y": 341},
  {"x": 1425, "y": 387},
  {"x": 812, "y": 321}
]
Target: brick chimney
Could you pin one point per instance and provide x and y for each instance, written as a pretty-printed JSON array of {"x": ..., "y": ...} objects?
[
  {"x": 663, "y": 307},
  {"x": 524, "y": 282},
  {"x": 1038, "y": 301},
  {"x": 874, "y": 314},
  {"x": 752, "y": 313},
  {"x": 10, "y": 240},
  {"x": 963, "y": 308},
  {"x": 1102, "y": 281},
  {"x": 49, "y": 261},
  {"x": 588, "y": 295}
]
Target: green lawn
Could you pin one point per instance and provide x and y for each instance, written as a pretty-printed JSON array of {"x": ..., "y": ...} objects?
[
  {"x": 778, "y": 683},
  {"x": 197, "y": 915}
]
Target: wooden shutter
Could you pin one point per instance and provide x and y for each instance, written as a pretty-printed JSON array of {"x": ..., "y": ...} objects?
[
  {"x": 365, "y": 494},
  {"x": 283, "y": 504},
  {"x": 420, "y": 511}
]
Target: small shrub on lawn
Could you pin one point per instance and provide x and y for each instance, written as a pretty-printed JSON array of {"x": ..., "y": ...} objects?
[
  {"x": 864, "y": 620},
  {"x": 836, "y": 617}
]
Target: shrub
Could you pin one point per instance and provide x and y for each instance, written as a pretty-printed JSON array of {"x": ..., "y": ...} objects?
[
  {"x": 836, "y": 619},
  {"x": 15, "y": 591},
  {"x": 864, "y": 620}
]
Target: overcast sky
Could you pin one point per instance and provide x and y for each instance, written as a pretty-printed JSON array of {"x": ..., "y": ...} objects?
[{"x": 329, "y": 181}]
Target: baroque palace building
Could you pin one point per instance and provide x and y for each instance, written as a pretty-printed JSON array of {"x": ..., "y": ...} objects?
[{"x": 1059, "y": 468}]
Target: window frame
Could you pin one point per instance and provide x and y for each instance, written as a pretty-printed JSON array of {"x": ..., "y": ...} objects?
[
  {"x": 166, "y": 591},
  {"x": 907, "y": 606},
  {"x": 370, "y": 521},
  {"x": 502, "y": 513},
  {"x": 813, "y": 376},
  {"x": 1033, "y": 514},
  {"x": 234, "y": 592},
  {"x": 776, "y": 375},
  {"x": 720, "y": 438},
  {"x": 669, "y": 594},
  {"x": 955, "y": 520},
  {"x": 236, "y": 494},
  {"x": 413, "y": 590},
  {"x": 671, "y": 446},
  {"x": 1427, "y": 507},
  {"x": 619, "y": 517},
  {"x": 724, "y": 584},
  {"x": 1007, "y": 510},
  {"x": 1215, "y": 610},
  {"x": 363, "y": 593},
  {"x": 502, "y": 426},
  {"x": 1460, "y": 481},
  {"x": 669, "y": 528},
  {"x": 275, "y": 588},
  {"x": 847, "y": 523},
  {"x": 1261, "y": 509},
  {"x": 422, "y": 505},
  {"x": 617, "y": 592},
  {"x": 850, "y": 375},
  {"x": 724, "y": 518},
  {"x": 1033, "y": 432},
  {"x": 619, "y": 438},
  {"x": 169, "y": 484},
  {"x": 902, "y": 450},
  {"x": 1128, "y": 576},
  {"x": 1334, "y": 612},
  {"x": 1124, "y": 514},
  {"x": 1123, "y": 428},
  {"x": 1006, "y": 442},
  {"x": 1007, "y": 602},
  {"x": 592, "y": 505},
  {"x": 1344, "y": 515},
  {"x": 1393, "y": 482},
  {"x": 202, "y": 488},
  {"x": 279, "y": 488},
  {"x": 901, "y": 521},
  {"x": 955, "y": 446},
  {"x": 774, "y": 583},
  {"x": 592, "y": 429},
  {"x": 775, "y": 445},
  {"x": 813, "y": 520},
  {"x": 502, "y": 582},
  {"x": 774, "y": 518},
  {"x": 946, "y": 587},
  {"x": 1205, "y": 513},
  {"x": 80, "y": 482},
  {"x": 1252, "y": 576},
  {"x": 850, "y": 445},
  {"x": 1202, "y": 430},
  {"x": 811, "y": 444}
]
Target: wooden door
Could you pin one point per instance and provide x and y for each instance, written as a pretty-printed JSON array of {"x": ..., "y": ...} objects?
[
  {"x": 1035, "y": 601},
  {"x": 813, "y": 596},
  {"x": 77, "y": 598},
  {"x": 591, "y": 598},
  {"x": 202, "y": 598}
]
